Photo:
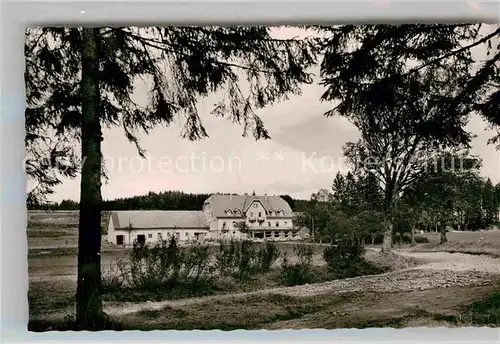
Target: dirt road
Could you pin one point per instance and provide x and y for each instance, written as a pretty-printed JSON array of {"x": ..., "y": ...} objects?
[{"x": 438, "y": 269}]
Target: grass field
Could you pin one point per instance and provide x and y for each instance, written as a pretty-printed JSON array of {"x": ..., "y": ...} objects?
[{"x": 482, "y": 242}]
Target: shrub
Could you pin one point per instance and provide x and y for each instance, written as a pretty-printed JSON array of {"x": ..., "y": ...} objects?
[
  {"x": 163, "y": 266},
  {"x": 295, "y": 274},
  {"x": 248, "y": 263},
  {"x": 239, "y": 260},
  {"x": 346, "y": 261},
  {"x": 227, "y": 257},
  {"x": 112, "y": 279},
  {"x": 301, "y": 272},
  {"x": 197, "y": 266},
  {"x": 267, "y": 256},
  {"x": 304, "y": 253},
  {"x": 421, "y": 239}
]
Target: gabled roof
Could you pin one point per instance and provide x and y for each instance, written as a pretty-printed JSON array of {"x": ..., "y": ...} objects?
[
  {"x": 159, "y": 219},
  {"x": 220, "y": 203}
]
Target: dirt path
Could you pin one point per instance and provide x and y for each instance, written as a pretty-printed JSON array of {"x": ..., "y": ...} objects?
[{"x": 440, "y": 269}]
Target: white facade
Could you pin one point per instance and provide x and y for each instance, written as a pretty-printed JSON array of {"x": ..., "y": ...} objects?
[
  {"x": 269, "y": 218},
  {"x": 266, "y": 217},
  {"x": 155, "y": 235},
  {"x": 149, "y": 227}
]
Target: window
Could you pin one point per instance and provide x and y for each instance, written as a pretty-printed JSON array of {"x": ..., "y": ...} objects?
[
  {"x": 251, "y": 214},
  {"x": 187, "y": 234},
  {"x": 260, "y": 214},
  {"x": 260, "y": 224},
  {"x": 224, "y": 224},
  {"x": 269, "y": 224},
  {"x": 141, "y": 239},
  {"x": 255, "y": 205},
  {"x": 234, "y": 223},
  {"x": 277, "y": 224},
  {"x": 286, "y": 223},
  {"x": 119, "y": 239},
  {"x": 150, "y": 236}
]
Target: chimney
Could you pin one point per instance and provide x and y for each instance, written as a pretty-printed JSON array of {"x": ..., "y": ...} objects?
[{"x": 265, "y": 197}]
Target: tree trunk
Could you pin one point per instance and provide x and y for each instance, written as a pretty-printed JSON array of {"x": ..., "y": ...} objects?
[
  {"x": 389, "y": 217},
  {"x": 387, "y": 243},
  {"x": 412, "y": 233},
  {"x": 89, "y": 313},
  {"x": 373, "y": 240},
  {"x": 444, "y": 239}
]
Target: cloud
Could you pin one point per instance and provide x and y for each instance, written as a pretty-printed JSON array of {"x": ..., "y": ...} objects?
[{"x": 320, "y": 135}]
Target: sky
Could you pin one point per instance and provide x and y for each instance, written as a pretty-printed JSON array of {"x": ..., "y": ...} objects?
[{"x": 302, "y": 156}]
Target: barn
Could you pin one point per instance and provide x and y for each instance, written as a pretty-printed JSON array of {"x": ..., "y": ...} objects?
[{"x": 148, "y": 227}]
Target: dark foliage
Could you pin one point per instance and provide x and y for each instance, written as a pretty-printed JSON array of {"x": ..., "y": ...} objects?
[{"x": 168, "y": 200}]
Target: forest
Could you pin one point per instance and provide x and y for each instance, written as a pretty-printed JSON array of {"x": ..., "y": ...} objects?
[{"x": 168, "y": 200}]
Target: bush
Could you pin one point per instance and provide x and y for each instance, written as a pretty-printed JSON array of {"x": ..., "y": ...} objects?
[
  {"x": 241, "y": 261},
  {"x": 304, "y": 253},
  {"x": 196, "y": 262},
  {"x": 227, "y": 257},
  {"x": 267, "y": 256},
  {"x": 295, "y": 274},
  {"x": 237, "y": 259},
  {"x": 112, "y": 280},
  {"x": 163, "y": 266},
  {"x": 421, "y": 239},
  {"x": 344, "y": 261},
  {"x": 248, "y": 263},
  {"x": 167, "y": 270},
  {"x": 341, "y": 257},
  {"x": 301, "y": 272},
  {"x": 405, "y": 238}
]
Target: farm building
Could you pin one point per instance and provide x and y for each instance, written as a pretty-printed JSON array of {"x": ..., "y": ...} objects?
[
  {"x": 265, "y": 217},
  {"x": 126, "y": 227}
]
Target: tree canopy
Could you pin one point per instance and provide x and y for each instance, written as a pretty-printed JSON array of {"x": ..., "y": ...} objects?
[{"x": 180, "y": 65}]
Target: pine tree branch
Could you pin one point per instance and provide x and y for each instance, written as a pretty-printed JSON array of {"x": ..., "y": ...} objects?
[
  {"x": 455, "y": 52},
  {"x": 153, "y": 43}
]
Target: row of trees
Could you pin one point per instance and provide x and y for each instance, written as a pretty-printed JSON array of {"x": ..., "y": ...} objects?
[
  {"x": 438, "y": 199},
  {"x": 407, "y": 88}
]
